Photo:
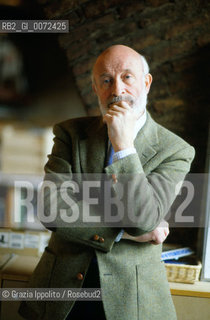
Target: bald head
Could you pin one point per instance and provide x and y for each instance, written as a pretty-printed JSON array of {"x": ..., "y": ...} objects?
[
  {"x": 124, "y": 52},
  {"x": 121, "y": 74}
]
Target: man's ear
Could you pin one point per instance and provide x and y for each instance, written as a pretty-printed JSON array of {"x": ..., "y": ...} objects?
[
  {"x": 94, "y": 88},
  {"x": 148, "y": 81}
]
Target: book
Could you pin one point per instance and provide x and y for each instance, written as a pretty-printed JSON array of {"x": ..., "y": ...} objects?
[{"x": 176, "y": 253}]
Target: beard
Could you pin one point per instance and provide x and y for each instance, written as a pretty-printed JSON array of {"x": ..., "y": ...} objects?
[{"x": 138, "y": 104}]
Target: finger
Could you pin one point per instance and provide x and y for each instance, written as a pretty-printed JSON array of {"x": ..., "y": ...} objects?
[
  {"x": 116, "y": 107},
  {"x": 166, "y": 232},
  {"x": 121, "y": 104},
  {"x": 125, "y": 105},
  {"x": 114, "y": 113},
  {"x": 154, "y": 242},
  {"x": 107, "y": 117}
]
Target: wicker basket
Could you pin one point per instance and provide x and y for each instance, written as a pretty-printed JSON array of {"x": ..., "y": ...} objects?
[{"x": 183, "y": 272}]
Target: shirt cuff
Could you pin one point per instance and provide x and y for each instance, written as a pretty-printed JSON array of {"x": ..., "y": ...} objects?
[
  {"x": 119, "y": 236},
  {"x": 123, "y": 153}
]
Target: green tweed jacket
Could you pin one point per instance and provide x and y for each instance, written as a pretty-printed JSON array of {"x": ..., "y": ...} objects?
[{"x": 132, "y": 276}]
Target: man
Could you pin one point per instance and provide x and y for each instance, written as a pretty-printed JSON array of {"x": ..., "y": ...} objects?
[{"x": 130, "y": 273}]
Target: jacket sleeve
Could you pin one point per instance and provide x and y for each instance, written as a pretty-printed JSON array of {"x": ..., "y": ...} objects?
[
  {"x": 58, "y": 170},
  {"x": 149, "y": 197}
]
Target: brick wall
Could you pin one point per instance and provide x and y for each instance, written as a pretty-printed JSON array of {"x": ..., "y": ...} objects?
[{"x": 172, "y": 34}]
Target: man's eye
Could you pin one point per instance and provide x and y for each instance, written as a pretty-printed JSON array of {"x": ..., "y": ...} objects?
[
  {"x": 106, "y": 80},
  {"x": 128, "y": 77}
]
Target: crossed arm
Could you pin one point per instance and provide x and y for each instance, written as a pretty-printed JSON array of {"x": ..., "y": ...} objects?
[{"x": 150, "y": 206}]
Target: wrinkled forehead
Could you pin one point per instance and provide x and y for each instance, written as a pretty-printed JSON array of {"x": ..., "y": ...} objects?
[{"x": 112, "y": 63}]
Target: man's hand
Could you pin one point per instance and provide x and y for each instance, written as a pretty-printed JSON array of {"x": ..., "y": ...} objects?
[
  {"x": 121, "y": 120},
  {"x": 156, "y": 236}
]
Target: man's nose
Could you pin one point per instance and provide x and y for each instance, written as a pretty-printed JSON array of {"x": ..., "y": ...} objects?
[{"x": 118, "y": 88}]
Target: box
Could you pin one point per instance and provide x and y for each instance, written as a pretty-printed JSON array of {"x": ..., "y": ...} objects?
[{"x": 26, "y": 242}]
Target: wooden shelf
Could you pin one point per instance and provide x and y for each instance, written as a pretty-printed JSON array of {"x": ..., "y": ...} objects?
[
  {"x": 198, "y": 289},
  {"x": 19, "y": 268}
]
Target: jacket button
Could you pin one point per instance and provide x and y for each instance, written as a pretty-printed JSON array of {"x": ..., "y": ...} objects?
[
  {"x": 96, "y": 237},
  {"x": 101, "y": 239},
  {"x": 114, "y": 178},
  {"x": 80, "y": 276}
]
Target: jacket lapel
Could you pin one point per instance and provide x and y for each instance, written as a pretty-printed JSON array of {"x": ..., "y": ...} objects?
[
  {"x": 146, "y": 141},
  {"x": 93, "y": 147}
]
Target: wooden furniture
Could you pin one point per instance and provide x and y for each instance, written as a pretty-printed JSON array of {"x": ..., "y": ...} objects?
[
  {"x": 192, "y": 301},
  {"x": 15, "y": 274}
]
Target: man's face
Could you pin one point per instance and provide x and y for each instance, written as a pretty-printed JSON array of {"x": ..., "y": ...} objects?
[{"x": 119, "y": 77}]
